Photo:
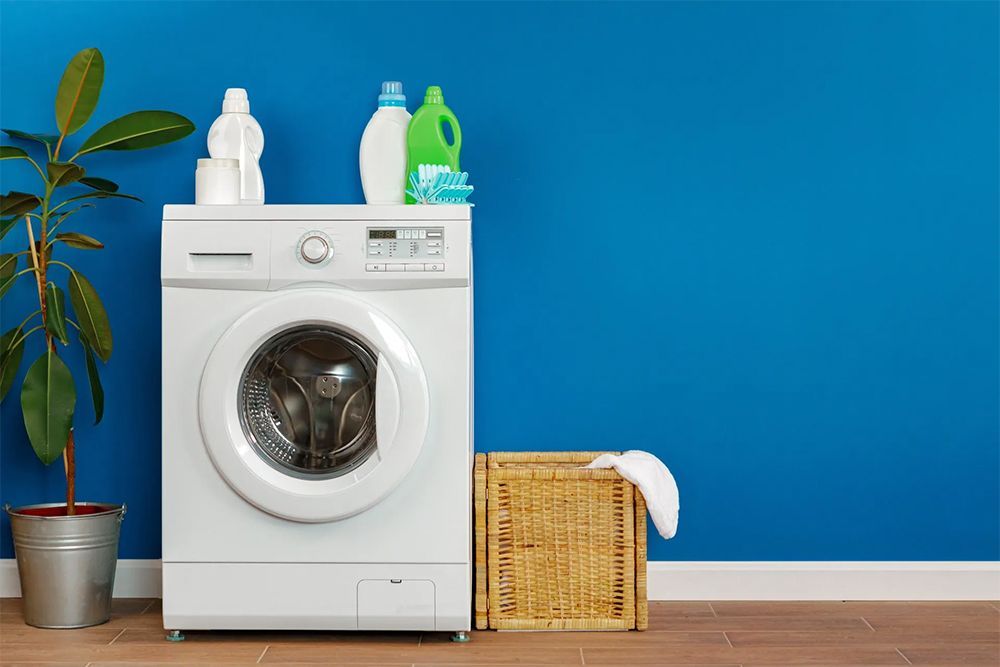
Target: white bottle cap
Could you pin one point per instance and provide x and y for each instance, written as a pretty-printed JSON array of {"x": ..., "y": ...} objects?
[{"x": 236, "y": 101}]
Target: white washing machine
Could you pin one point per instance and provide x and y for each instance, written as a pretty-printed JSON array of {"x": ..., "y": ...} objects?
[{"x": 317, "y": 425}]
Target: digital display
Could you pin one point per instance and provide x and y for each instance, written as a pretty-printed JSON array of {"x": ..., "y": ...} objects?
[{"x": 381, "y": 233}]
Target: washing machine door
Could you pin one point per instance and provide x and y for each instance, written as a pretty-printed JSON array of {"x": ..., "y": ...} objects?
[{"x": 313, "y": 406}]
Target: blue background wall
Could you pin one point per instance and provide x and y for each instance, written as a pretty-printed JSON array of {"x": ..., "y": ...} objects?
[{"x": 759, "y": 240}]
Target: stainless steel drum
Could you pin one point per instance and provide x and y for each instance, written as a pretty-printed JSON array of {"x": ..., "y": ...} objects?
[{"x": 308, "y": 402}]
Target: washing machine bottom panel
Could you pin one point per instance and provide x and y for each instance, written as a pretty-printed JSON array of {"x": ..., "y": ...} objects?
[{"x": 317, "y": 596}]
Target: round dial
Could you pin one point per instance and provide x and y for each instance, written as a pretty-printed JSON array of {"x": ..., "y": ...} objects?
[{"x": 314, "y": 248}]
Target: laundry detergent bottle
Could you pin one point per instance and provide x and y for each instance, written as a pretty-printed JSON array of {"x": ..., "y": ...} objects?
[
  {"x": 237, "y": 135},
  {"x": 425, "y": 139},
  {"x": 383, "y": 148}
]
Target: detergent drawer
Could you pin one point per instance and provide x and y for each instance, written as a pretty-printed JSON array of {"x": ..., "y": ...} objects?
[{"x": 396, "y": 604}]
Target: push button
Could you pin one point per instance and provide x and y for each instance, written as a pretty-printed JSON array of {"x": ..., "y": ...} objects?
[
  {"x": 433, "y": 235},
  {"x": 414, "y": 267},
  {"x": 434, "y": 251},
  {"x": 433, "y": 267},
  {"x": 393, "y": 267},
  {"x": 374, "y": 267},
  {"x": 433, "y": 244}
]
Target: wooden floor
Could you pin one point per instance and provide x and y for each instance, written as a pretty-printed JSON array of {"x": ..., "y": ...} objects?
[{"x": 681, "y": 633}]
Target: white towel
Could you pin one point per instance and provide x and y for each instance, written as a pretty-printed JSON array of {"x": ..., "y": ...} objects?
[{"x": 654, "y": 480}]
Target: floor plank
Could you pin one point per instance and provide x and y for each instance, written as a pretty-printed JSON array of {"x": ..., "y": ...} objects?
[
  {"x": 955, "y": 654},
  {"x": 805, "y": 655},
  {"x": 854, "y": 609},
  {"x": 886, "y": 638},
  {"x": 717, "y": 634}
]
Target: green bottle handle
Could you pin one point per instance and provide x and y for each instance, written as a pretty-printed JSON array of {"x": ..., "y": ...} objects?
[{"x": 453, "y": 148}]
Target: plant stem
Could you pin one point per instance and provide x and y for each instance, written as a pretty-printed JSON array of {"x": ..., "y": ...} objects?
[
  {"x": 37, "y": 168},
  {"x": 42, "y": 264},
  {"x": 69, "y": 461},
  {"x": 25, "y": 335},
  {"x": 28, "y": 319}
]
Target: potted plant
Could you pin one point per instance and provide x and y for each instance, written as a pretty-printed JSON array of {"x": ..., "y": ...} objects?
[{"x": 66, "y": 552}]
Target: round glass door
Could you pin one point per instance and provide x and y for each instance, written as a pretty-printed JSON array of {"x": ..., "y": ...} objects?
[{"x": 307, "y": 402}]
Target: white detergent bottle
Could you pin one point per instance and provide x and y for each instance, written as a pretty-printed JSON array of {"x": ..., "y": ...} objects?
[
  {"x": 383, "y": 148},
  {"x": 237, "y": 135}
]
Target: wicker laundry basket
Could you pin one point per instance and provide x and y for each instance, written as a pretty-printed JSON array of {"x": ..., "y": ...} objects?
[{"x": 557, "y": 547}]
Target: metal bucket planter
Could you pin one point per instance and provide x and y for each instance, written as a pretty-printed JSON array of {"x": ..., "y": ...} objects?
[{"x": 66, "y": 563}]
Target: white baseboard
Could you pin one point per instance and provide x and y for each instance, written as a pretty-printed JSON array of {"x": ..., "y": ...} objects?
[
  {"x": 134, "y": 578},
  {"x": 835, "y": 580},
  {"x": 723, "y": 580}
]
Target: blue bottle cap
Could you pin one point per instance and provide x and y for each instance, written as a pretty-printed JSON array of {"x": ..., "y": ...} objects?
[{"x": 392, "y": 94}]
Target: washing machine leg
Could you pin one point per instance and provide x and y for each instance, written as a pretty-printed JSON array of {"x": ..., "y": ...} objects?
[
  {"x": 461, "y": 636},
  {"x": 175, "y": 636}
]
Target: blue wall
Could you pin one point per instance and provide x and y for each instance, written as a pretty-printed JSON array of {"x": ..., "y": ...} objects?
[{"x": 759, "y": 240}]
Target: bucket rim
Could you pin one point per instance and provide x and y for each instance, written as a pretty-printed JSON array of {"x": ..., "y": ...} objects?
[{"x": 114, "y": 508}]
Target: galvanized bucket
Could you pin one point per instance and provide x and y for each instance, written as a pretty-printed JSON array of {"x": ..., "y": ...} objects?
[{"x": 66, "y": 563}]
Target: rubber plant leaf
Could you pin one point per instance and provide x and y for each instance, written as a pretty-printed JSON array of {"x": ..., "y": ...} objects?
[
  {"x": 96, "y": 389},
  {"x": 8, "y": 271},
  {"x": 90, "y": 314},
  {"x": 138, "y": 130},
  {"x": 45, "y": 139},
  {"x": 7, "y": 224},
  {"x": 80, "y": 241},
  {"x": 12, "y": 153},
  {"x": 10, "y": 359},
  {"x": 99, "y": 183},
  {"x": 78, "y": 90},
  {"x": 63, "y": 173},
  {"x": 48, "y": 399},
  {"x": 18, "y": 203},
  {"x": 55, "y": 312},
  {"x": 101, "y": 194}
]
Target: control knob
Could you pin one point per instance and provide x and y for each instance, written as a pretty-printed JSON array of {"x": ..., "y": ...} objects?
[{"x": 314, "y": 249}]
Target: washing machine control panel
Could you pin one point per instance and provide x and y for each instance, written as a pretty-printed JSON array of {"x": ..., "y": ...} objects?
[{"x": 405, "y": 249}]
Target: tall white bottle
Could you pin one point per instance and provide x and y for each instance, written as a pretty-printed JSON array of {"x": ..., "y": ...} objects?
[
  {"x": 383, "y": 148},
  {"x": 236, "y": 135}
]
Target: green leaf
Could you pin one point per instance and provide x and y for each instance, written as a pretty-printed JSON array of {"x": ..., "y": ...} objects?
[
  {"x": 18, "y": 203},
  {"x": 99, "y": 183},
  {"x": 10, "y": 359},
  {"x": 8, "y": 269},
  {"x": 7, "y": 224},
  {"x": 45, "y": 139},
  {"x": 78, "y": 90},
  {"x": 63, "y": 173},
  {"x": 101, "y": 194},
  {"x": 81, "y": 241},
  {"x": 48, "y": 398},
  {"x": 90, "y": 314},
  {"x": 12, "y": 153},
  {"x": 138, "y": 130},
  {"x": 55, "y": 312},
  {"x": 96, "y": 390}
]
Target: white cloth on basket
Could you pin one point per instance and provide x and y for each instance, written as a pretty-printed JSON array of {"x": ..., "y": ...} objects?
[{"x": 654, "y": 480}]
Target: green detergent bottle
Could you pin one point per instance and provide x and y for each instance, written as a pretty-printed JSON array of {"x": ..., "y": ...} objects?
[{"x": 425, "y": 140}]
